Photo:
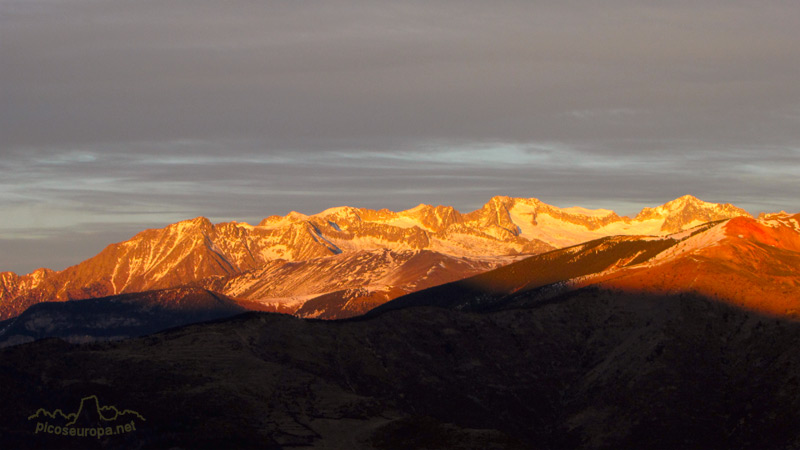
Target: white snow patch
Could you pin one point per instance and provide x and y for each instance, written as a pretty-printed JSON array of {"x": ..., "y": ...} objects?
[
  {"x": 334, "y": 211},
  {"x": 402, "y": 222},
  {"x": 699, "y": 241},
  {"x": 562, "y": 234},
  {"x": 577, "y": 210}
]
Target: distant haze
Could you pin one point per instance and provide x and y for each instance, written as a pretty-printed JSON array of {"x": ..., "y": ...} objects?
[{"x": 121, "y": 115}]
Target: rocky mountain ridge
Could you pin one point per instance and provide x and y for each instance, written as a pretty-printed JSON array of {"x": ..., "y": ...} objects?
[
  {"x": 745, "y": 263},
  {"x": 751, "y": 264},
  {"x": 194, "y": 250}
]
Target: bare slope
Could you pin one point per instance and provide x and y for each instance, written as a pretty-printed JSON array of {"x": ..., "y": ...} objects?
[{"x": 751, "y": 263}]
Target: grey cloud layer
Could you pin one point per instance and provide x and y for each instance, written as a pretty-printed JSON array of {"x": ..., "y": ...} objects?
[
  {"x": 146, "y": 111},
  {"x": 303, "y": 74}
]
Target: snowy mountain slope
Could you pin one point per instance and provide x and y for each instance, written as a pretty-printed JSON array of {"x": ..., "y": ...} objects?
[
  {"x": 286, "y": 285},
  {"x": 752, "y": 264},
  {"x": 193, "y": 250}
]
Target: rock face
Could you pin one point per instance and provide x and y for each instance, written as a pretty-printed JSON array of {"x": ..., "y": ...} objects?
[
  {"x": 688, "y": 211},
  {"x": 196, "y": 251},
  {"x": 369, "y": 277}
]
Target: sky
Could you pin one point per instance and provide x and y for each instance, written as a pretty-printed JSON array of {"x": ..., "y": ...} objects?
[{"x": 121, "y": 115}]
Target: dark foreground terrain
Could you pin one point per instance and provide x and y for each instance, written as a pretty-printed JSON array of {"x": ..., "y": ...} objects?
[
  {"x": 117, "y": 317},
  {"x": 587, "y": 369}
]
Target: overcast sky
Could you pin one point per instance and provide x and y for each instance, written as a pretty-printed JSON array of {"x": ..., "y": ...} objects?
[{"x": 118, "y": 115}]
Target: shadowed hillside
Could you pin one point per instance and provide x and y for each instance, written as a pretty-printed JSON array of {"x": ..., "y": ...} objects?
[
  {"x": 117, "y": 317},
  {"x": 589, "y": 369}
]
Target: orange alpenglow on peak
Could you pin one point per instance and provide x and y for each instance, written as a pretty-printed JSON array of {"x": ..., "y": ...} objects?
[
  {"x": 196, "y": 251},
  {"x": 751, "y": 264}
]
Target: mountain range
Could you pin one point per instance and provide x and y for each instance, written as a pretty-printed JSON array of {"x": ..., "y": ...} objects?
[
  {"x": 679, "y": 341},
  {"x": 345, "y": 259},
  {"x": 753, "y": 264},
  {"x": 681, "y": 335}
]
